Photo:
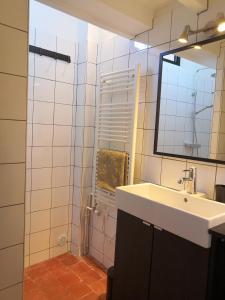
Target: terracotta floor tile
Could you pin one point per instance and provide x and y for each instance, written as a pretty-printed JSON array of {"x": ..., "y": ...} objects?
[
  {"x": 69, "y": 260},
  {"x": 91, "y": 296},
  {"x": 89, "y": 277},
  {"x": 68, "y": 279},
  {"x": 98, "y": 287},
  {"x": 79, "y": 290},
  {"x": 64, "y": 278},
  {"x": 80, "y": 267}
]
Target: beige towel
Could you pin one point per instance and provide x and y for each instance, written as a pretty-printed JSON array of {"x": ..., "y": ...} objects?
[{"x": 111, "y": 169}]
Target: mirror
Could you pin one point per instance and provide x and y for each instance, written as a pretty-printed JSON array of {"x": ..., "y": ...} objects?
[{"x": 190, "y": 119}]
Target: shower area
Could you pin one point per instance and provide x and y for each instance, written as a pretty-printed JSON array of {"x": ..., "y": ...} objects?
[
  {"x": 203, "y": 101},
  {"x": 60, "y": 145}
]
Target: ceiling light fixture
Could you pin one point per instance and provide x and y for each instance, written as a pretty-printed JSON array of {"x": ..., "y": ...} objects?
[
  {"x": 184, "y": 35},
  {"x": 212, "y": 28},
  {"x": 198, "y": 47},
  {"x": 221, "y": 22}
]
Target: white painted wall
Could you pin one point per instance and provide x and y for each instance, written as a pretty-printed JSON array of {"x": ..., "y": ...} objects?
[{"x": 53, "y": 21}]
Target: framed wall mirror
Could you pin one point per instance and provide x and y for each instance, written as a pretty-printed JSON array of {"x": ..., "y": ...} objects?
[{"x": 190, "y": 117}]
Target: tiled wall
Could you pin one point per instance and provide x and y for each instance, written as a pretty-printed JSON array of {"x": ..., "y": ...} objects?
[
  {"x": 50, "y": 152},
  {"x": 119, "y": 53},
  {"x": 84, "y": 140},
  {"x": 13, "y": 102}
]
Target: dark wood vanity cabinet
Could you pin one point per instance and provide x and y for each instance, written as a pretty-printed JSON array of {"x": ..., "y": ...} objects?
[
  {"x": 153, "y": 264},
  {"x": 132, "y": 258},
  {"x": 179, "y": 269}
]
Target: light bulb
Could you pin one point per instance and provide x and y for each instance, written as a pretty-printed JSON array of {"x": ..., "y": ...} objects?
[
  {"x": 198, "y": 47},
  {"x": 221, "y": 26}
]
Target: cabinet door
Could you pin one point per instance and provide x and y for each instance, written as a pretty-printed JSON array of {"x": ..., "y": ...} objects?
[
  {"x": 179, "y": 268},
  {"x": 132, "y": 258}
]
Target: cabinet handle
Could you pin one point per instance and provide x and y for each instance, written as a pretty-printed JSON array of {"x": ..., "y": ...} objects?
[
  {"x": 146, "y": 223},
  {"x": 158, "y": 228}
]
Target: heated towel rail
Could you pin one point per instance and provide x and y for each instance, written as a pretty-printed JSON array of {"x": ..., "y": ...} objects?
[{"x": 116, "y": 122}]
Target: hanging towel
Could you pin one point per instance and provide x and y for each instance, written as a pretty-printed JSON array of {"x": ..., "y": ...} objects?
[{"x": 111, "y": 169}]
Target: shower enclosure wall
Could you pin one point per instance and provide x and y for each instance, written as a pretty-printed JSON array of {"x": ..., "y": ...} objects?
[{"x": 50, "y": 148}]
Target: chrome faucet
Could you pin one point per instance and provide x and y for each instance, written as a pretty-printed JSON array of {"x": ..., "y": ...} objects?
[{"x": 190, "y": 180}]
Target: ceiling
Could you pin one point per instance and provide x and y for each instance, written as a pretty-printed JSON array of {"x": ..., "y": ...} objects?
[{"x": 124, "y": 17}]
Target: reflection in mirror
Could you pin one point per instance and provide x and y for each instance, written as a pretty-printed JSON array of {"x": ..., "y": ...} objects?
[{"x": 191, "y": 103}]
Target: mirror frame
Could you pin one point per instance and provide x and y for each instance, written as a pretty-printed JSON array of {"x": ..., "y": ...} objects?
[{"x": 174, "y": 51}]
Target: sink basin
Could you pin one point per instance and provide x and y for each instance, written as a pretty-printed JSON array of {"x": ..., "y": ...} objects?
[{"x": 188, "y": 216}]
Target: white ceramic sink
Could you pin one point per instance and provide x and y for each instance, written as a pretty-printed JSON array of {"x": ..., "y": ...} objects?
[{"x": 188, "y": 216}]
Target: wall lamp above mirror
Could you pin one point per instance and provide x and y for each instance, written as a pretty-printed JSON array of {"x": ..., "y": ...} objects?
[
  {"x": 190, "y": 117},
  {"x": 212, "y": 28}
]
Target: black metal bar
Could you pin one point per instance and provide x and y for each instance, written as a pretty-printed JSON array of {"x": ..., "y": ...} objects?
[{"x": 52, "y": 54}]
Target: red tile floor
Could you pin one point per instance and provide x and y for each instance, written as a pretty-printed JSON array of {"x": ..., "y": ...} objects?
[{"x": 65, "y": 277}]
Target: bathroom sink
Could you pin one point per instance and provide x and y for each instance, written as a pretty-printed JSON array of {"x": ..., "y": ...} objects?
[{"x": 186, "y": 215}]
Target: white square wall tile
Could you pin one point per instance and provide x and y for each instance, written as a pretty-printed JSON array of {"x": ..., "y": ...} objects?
[
  {"x": 89, "y": 116},
  {"x": 148, "y": 144},
  {"x": 45, "y": 40},
  {"x": 59, "y": 216},
  {"x": 39, "y": 241},
  {"x": 40, "y": 200},
  {"x": 97, "y": 240},
  {"x": 40, "y": 220},
  {"x": 60, "y": 196},
  {"x": 56, "y": 233},
  {"x": 61, "y": 156},
  {"x": 45, "y": 67},
  {"x": 91, "y": 73},
  {"x": 41, "y": 157},
  {"x": 107, "y": 49},
  {"x": 149, "y": 116},
  {"x": 92, "y": 52},
  {"x": 30, "y": 106},
  {"x": 41, "y": 178},
  {"x": 38, "y": 257},
  {"x": 44, "y": 90},
  {"x": 67, "y": 48},
  {"x": 172, "y": 171},
  {"x": 64, "y": 93},
  {"x": 43, "y": 112},
  {"x": 89, "y": 136},
  {"x": 31, "y": 64},
  {"x": 11, "y": 265},
  {"x": 141, "y": 58},
  {"x": 80, "y": 117},
  {"x": 62, "y": 135},
  {"x": 63, "y": 114},
  {"x": 151, "y": 169},
  {"x": 81, "y": 94},
  {"x": 82, "y": 71},
  {"x": 58, "y": 250},
  {"x": 65, "y": 72},
  {"x": 60, "y": 176},
  {"x": 121, "y": 46},
  {"x": 29, "y": 134},
  {"x": 42, "y": 135}
]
